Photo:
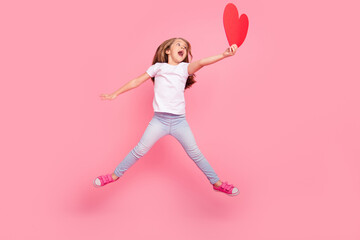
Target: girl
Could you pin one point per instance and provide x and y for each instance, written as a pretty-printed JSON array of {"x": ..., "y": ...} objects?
[{"x": 171, "y": 73}]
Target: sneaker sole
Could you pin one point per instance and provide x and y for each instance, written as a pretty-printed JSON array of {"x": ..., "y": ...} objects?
[{"x": 228, "y": 194}]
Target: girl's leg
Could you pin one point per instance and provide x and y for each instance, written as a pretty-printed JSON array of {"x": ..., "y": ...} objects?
[
  {"x": 184, "y": 135},
  {"x": 155, "y": 130}
]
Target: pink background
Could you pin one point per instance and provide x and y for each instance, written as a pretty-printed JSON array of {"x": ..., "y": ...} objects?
[{"x": 280, "y": 120}]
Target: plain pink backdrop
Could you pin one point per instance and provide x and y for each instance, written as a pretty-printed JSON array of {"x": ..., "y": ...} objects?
[{"x": 280, "y": 120}]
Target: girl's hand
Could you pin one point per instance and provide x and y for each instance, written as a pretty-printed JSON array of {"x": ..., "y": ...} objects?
[
  {"x": 230, "y": 51},
  {"x": 108, "y": 96}
]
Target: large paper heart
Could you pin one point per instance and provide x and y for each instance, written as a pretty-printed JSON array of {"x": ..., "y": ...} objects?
[{"x": 235, "y": 28}]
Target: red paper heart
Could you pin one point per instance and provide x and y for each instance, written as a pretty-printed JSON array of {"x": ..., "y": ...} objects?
[{"x": 235, "y": 28}]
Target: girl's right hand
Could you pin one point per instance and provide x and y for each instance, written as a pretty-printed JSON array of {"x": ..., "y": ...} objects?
[
  {"x": 230, "y": 51},
  {"x": 108, "y": 96}
]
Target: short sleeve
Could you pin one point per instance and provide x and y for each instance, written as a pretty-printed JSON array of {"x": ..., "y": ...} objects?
[
  {"x": 184, "y": 67},
  {"x": 153, "y": 69}
]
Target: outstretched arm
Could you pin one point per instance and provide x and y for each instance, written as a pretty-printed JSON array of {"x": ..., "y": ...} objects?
[
  {"x": 128, "y": 86},
  {"x": 197, "y": 65}
]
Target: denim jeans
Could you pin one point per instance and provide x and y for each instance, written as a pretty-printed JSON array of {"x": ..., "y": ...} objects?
[{"x": 163, "y": 124}]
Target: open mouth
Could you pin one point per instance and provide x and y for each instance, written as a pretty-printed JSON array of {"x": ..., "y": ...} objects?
[{"x": 181, "y": 53}]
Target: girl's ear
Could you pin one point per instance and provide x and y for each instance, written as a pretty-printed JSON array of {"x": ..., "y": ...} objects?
[{"x": 167, "y": 51}]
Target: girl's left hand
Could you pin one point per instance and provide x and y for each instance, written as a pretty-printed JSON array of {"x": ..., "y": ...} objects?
[{"x": 230, "y": 51}]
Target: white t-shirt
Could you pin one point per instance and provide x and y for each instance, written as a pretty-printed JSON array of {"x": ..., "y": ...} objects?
[{"x": 170, "y": 81}]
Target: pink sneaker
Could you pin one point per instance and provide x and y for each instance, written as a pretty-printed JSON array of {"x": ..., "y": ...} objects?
[
  {"x": 103, "y": 180},
  {"x": 229, "y": 189}
]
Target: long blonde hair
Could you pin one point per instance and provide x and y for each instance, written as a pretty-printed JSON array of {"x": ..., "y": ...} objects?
[{"x": 162, "y": 57}]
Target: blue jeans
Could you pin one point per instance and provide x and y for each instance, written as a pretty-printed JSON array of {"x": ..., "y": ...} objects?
[{"x": 163, "y": 124}]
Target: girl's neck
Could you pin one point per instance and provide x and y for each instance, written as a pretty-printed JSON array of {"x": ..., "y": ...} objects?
[{"x": 171, "y": 61}]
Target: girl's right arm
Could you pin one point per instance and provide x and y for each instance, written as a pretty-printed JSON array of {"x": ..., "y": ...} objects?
[{"x": 128, "y": 86}]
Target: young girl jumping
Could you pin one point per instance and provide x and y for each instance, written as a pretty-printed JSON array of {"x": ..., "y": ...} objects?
[{"x": 171, "y": 73}]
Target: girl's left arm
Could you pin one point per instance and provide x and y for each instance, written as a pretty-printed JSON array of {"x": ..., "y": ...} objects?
[{"x": 197, "y": 65}]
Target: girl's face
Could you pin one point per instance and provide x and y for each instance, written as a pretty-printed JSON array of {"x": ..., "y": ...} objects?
[{"x": 177, "y": 52}]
